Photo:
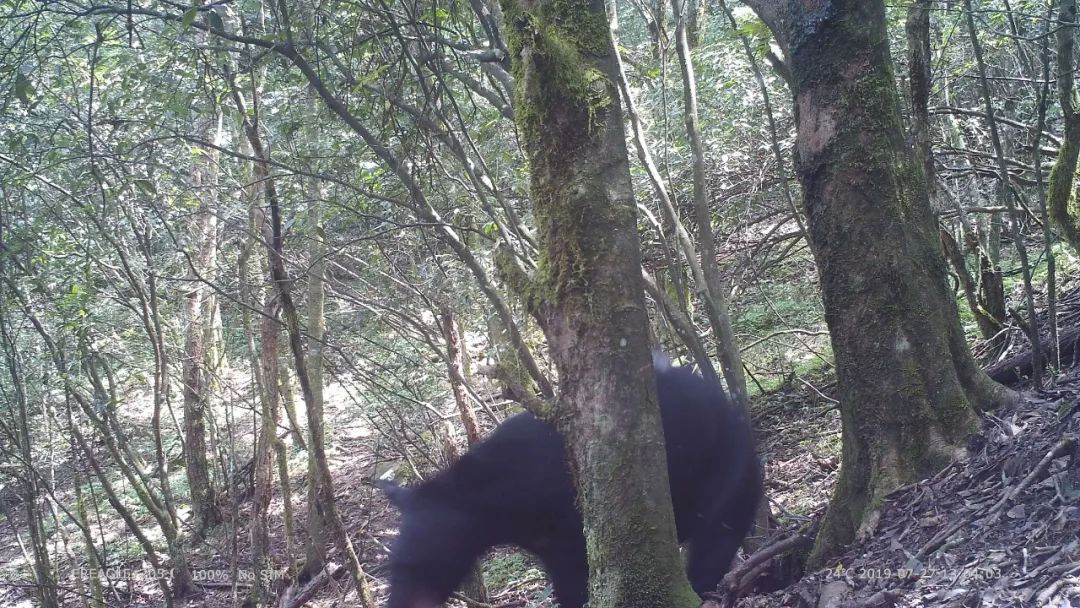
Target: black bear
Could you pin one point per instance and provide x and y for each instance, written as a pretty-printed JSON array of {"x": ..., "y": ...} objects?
[{"x": 515, "y": 488}]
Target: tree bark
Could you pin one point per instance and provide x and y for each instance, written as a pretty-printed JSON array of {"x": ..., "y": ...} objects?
[
  {"x": 695, "y": 22},
  {"x": 919, "y": 57},
  {"x": 655, "y": 21},
  {"x": 509, "y": 371},
  {"x": 196, "y": 378},
  {"x": 1048, "y": 240},
  {"x": 988, "y": 302},
  {"x": 588, "y": 298},
  {"x": 260, "y": 510},
  {"x": 474, "y": 587},
  {"x": 315, "y": 545},
  {"x": 121, "y": 510},
  {"x": 908, "y": 385},
  {"x": 985, "y": 321},
  {"x": 1021, "y": 365},
  {"x": 455, "y": 368},
  {"x": 45, "y": 584},
  {"x": 288, "y": 401},
  {"x": 275, "y": 245},
  {"x": 1060, "y": 197},
  {"x": 714, "y": 292},
  {"x": 93, "y": 566}
]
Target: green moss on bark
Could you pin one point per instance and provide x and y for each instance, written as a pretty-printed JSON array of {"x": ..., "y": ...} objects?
[
  {"x": 562, "y": 96},
  {"x": 557, "y": 84},
  {"x": 904, "y": 381},
  {"x": 1060, "y": 195},
  {"x": 587, "y": 295}
]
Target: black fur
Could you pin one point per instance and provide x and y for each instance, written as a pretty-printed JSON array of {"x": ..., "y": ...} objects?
[{"x": 514, "y": 488}]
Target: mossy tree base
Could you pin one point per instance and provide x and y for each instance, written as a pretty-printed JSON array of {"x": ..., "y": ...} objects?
[{"x": 909, "y": 388}]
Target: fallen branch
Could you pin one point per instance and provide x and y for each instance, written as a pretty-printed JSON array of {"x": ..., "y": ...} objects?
[
  {"x": 297, "y": 598},
  {"x": 740, "y": 578},
  {"x": 1016, "y": 368},
  {"x": 1063, "y": 448}
]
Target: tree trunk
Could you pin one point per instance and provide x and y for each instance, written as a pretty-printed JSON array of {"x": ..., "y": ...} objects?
[
  {"x": 987, "y": 302},
  {"x": 509, "y": 372},
  {"x": 260, "y": 511},
  {"x": 976, "y": 298},
  {"x": 588, "y": 298},
  {"x": 288, "y": 400},
  {"x": 93, "y": 566},
  {"x": 656, "y": 24},
  {"x": 919, "y": 58},
  {"x": 315, "y": 545},
  {"x": 196, "y": 378},
  {"x": 455, "y": 368},
  {"x": 715, "y": 293},
  {"x": 695, "y": 22},
  {"x": 321, "y": 481},
  {"x": 907, "y": 383},
  {"x": 1003, "y": 193},
  {"x": 281, "y": 456},
  {"x": 131, "y": 466},
  {"x": 1048, "y": 240},
  {"x": 122, "y": 510},
  {"x": 473, "y": 587},
  {"x": 1060, "y": 197},
  {"x": 45, "y": 588}
]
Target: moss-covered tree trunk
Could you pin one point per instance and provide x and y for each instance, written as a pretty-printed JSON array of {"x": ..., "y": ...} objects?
[
  {"x": 588, "y": 298},
  {"x": 908, "y": 386},
  {"x": 1060, "y": 197}
]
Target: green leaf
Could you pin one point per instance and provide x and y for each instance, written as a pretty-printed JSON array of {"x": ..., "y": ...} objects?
[
  {"x": 189, "y": 17},
  {"x": 372, "y": 75},
  {"x": 23, "y": 89},
  {"x": 146, "y": 186}
]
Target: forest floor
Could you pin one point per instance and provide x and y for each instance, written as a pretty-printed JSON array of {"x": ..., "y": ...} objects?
[
  {"x": 799, "y": 433},
  {"x": 999, "y": 529}
]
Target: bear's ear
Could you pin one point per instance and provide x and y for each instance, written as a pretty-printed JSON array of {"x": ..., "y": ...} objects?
[{"x": 397, "y": 495}]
